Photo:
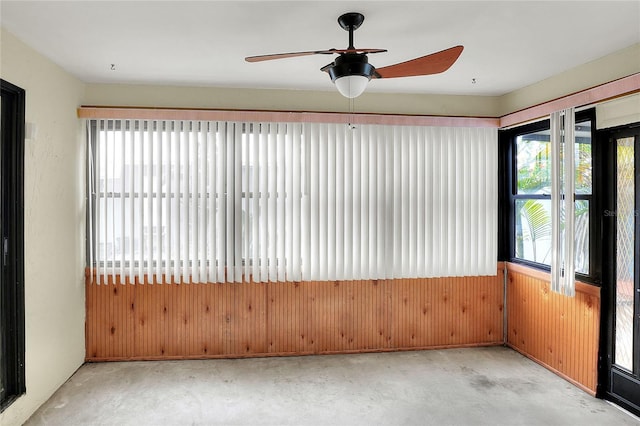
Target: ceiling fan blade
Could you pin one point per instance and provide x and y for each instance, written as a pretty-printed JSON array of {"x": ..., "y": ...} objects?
[
  {"x": 260, "y": 58},
  {"x": 425, "y": 65}
]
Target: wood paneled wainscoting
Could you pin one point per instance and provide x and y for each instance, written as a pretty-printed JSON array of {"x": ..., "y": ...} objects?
[
  {"x": 558, "y": 332},
  {"x": 178, "y": 321}
]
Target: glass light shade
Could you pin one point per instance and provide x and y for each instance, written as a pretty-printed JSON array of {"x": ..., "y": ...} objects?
[{"x": 351, "y": 86}]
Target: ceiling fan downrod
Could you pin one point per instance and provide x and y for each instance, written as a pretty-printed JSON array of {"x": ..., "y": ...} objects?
[{"x": 350, "y": 22}]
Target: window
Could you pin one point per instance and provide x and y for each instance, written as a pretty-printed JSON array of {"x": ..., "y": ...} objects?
[
  {"x": 527, "y": 181},
  {"x": 207, "y": 201},
  {"x": 12, "y": 329}
]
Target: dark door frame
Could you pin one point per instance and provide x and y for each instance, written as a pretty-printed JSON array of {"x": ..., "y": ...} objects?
[
  {"x": 616, "y": 384},
  {"x": 12, "y": 327}
]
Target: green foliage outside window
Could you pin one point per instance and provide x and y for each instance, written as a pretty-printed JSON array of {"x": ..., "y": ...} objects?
[{"x": 533, "y": 203}]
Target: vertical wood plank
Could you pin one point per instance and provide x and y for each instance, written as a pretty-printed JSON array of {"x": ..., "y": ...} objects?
[
  {"x": 556, "y": 330},
  {"x": 142, "y": 320}
]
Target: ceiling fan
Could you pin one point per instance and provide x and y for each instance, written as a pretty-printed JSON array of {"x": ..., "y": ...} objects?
[{"x": 351, "y": 70}]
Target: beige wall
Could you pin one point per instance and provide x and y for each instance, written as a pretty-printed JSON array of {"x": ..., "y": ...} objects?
[
  {"x": 287, "y": 100},
  {"x": 618, "y": 112},
  {"x": 619, "y": 64},
  {"x": 54, "y": 224}
]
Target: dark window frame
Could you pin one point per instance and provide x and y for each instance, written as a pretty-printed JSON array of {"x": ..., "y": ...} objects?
[
  {"x": 508, "y": 196},
  {"x": 12, "y": 324}
]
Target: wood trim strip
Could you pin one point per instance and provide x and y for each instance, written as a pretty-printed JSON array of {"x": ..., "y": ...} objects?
[
  {"x": 603, "y": 92},
  {"x": 281, "y": 354},
  {"x": 590, "y": 289},
  {"x": 98, "y": 112}
]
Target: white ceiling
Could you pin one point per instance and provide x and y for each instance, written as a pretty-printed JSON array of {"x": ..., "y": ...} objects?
[{"x": 508, "y": 44}]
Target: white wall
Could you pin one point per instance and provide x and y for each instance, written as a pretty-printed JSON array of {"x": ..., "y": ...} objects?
[{"x": 54, "y": 224}]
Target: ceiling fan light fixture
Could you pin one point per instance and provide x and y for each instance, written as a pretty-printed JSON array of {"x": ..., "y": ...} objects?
[
  {"x": 351, "y": 86},
  {"x": 350, "y": 73}
]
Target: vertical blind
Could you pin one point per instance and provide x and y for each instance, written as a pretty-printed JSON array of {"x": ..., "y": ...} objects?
[
  {"x": 213, "y": 201},
  {"x": 563, "y": 202}
]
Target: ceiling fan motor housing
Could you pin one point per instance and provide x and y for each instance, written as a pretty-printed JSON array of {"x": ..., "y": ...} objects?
[{"x": 350, "y": 64}]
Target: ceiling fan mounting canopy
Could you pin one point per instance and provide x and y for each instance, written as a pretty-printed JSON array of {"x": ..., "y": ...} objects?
[
  {"x": 351, "y": 21},
  {"x": 351, "y": 70}
]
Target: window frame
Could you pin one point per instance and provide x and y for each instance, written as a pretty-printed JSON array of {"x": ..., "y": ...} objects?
[
  {"x": 508, "y": 196},
  {"x": 12, "y": 300}
]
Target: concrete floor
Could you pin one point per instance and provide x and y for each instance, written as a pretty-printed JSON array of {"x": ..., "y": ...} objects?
[{"x": 480, "y": 386}]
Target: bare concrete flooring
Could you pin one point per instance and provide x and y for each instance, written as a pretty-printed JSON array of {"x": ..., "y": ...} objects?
[{"x": 480, "y": 386}]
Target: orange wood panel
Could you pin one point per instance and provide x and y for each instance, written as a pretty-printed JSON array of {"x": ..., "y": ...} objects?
[
  {"x": 180, "y": 320},
  {"x": 110, "y": 320},
  {"x": 559, "y": 332}
]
